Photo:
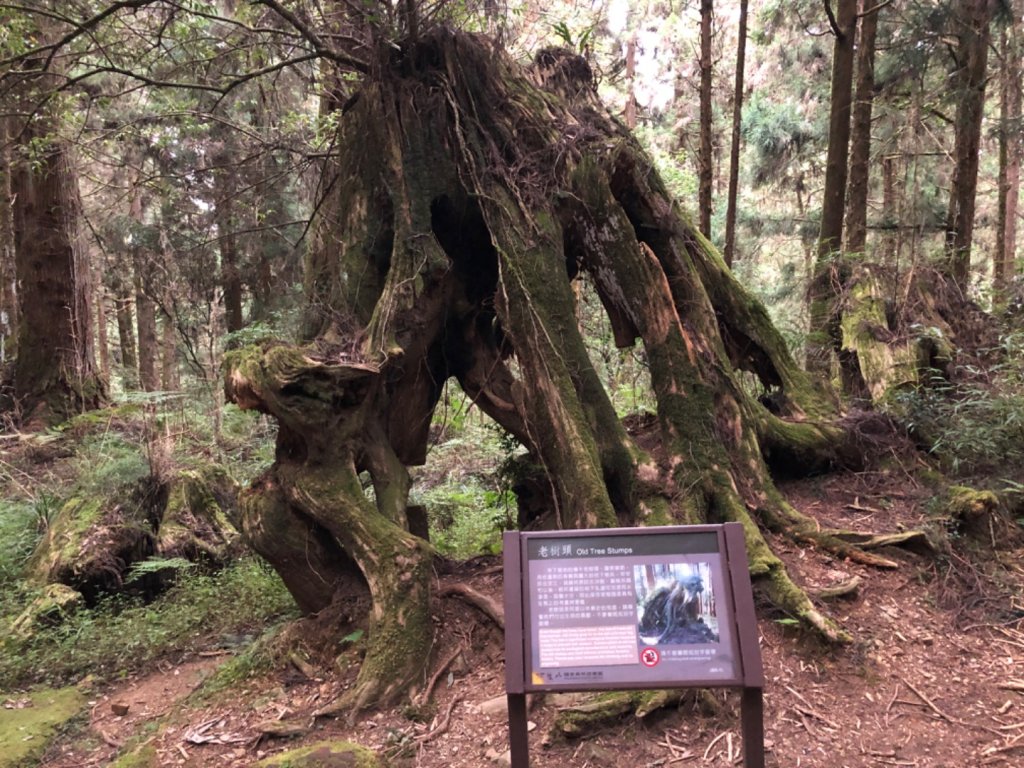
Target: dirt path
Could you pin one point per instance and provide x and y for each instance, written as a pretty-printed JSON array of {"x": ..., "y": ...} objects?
[
  {"x": 129, "y": 708},
  {"x": 928, "y": 683}
]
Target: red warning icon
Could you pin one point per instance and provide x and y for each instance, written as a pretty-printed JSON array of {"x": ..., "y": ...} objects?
[{"x": 649, "y": 657}]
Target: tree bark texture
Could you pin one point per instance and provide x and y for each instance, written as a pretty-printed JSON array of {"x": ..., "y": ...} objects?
[
  {"x": 973, "y": 36},
  {"x": 1005, "y": 257},
  {"x": 706, "y": 158},
  {"x": 630, "y": 111},
  {"x": 227, "y": 226},
  {"x": 828, "y": 278},
  {"x": 734, "y": 147},
  {"x": 169, "y": 380},
  {"x": 126, "y": 335},
  {"x": 8, "y": 276},
  {"x": 55, "y": 374},
  {"x": 145, "y": 318},
  {"x": 860, "y": 131},
  {"x": 459, "y": 216}
]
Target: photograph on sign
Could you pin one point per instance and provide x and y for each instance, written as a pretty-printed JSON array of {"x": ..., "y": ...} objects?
[
  {"x": 676, "y": 603},
  {"x": 627, "y": 610}
]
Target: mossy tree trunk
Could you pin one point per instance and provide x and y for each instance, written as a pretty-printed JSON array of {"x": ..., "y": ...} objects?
[
  {"x": 55, "y": 373},
  {"x": 467, "y": 195},
  {"x": 830, "y": 269}
]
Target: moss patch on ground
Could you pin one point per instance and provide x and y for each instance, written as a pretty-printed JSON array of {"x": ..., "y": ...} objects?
[
  {"x": 27, "y": 728},
  {"x": 144, "y": 756},
  {"x": 325, "y": 754}
]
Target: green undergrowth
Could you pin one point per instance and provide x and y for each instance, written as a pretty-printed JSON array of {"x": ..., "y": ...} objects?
[
  {"x": 468, "y": 500},
  {"x": 258, "y": 657},
  {"x": 122, "y": 633},
  {"x": 467, "y": 518},
  {"x": 22, "y": 523},
  {"x": 973, "y": 422}
]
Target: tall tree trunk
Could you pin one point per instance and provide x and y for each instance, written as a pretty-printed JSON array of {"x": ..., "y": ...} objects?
[
  {"x": 734, "y": 149},
  {"x": 890, "y": 215},
  {"x": 145, "y": 317},
  {"x": 273, "y": 274},
  {"x": 973, "y": 20},
  {"x": 8, "y": 276},
  {"x": 227, "y": 226},
  {"x": 55, "y": 374},
  {"x": 860, "y": 138},
  {"x": 705, "y": 159},
  {"x": 1004, "y": 260},
  {"x": 169, "y": 381},
  {"x": 102, "y": 342},
  {"x": 123, "y": 303},
  {"x": 828, "y": 278},
  {"x": 630, "y": 111},
  {"x": 145, "y": 307}
]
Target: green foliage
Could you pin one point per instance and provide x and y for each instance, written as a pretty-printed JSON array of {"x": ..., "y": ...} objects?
[
  {"x": 108, "y": 460},
  {"x": 247, "y": 441},
  {"x": 122, "y": 633},
  {"x": 252, "y": 334},
  {"x": 624, "y": 372},
  {"x": 19, "y": 533},
  {"x": 468, "y": 519},
  {"x": 578, "y": 43},
  {"x": 671, "y": 161},
  {"x": 974, "y": 423},
  {"x": 352, "y": 637},
  {"x": 468, "y": 506},
  {"x": 161, "y": 565},
  {"x": 777, "y": 132}
]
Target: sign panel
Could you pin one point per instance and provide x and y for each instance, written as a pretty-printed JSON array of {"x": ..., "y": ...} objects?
[{"x": 622, "y": 609}]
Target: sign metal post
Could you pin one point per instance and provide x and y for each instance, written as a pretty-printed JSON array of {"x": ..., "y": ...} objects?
[{"x": 631, "y": 608}]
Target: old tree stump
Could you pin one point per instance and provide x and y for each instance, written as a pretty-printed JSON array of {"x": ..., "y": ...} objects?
[{"x": 466, "y": 195}]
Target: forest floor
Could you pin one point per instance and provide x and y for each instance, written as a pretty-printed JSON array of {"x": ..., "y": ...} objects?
[{"x": 933, "y": 678}]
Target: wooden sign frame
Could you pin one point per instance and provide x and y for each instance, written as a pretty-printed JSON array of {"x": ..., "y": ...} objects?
[{"x": 561, "y": 586}]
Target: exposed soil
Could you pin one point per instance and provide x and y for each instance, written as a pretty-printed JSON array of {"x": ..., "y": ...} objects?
[{"x": 933, "y": 678}]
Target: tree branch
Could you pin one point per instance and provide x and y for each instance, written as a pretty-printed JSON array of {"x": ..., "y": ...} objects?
[
  {"x": 874, "y": 9},
  {"x": 313, "y": 38},
  {"x": 832, "y": 19}
]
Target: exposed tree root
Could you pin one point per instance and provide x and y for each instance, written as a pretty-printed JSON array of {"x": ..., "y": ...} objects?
[
  {"x": 482, "y": 603},
  {"x": 847, "y": 588},
  {"x": 918, "y": 541},
  {"x": 599, "y": 711}
]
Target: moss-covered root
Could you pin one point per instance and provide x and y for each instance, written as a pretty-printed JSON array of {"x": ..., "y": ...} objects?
[
  {"x": 780, "y": 516},
  {"x": 771, "y": 575},
  {"x": 396, "y": 566},
  {"x": 782, "y": 592},
  {"x": 534, "y": 304},
  {"x": 606, "y": 708}
]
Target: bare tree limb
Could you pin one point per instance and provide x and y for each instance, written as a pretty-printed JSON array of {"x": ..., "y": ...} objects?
[{"x": 832, "y": 19}]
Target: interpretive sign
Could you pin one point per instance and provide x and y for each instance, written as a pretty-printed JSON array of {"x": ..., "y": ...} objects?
[{"x": 630, "y": 608}]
